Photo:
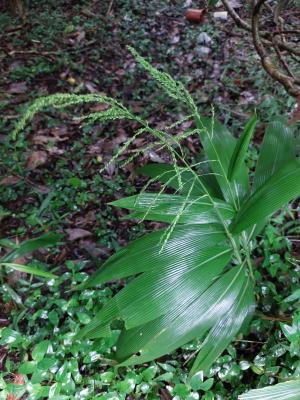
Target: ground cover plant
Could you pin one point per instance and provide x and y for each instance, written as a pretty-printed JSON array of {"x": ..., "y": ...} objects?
[
  {"x": 39, "y": 359},
  {"x": 198, "y": 279}
]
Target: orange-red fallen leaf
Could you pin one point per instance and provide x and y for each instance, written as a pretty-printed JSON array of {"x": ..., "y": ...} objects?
[
  {"x": 18, "y": 380},
  {"x": 10, "y": 180},
  {"x": 195, "y": 15},
  {"x": 77, "y": 233},
  {"x": 36, "y": 159}
]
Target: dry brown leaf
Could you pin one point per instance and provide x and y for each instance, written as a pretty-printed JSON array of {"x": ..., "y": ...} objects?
[
  {"x": 175, "y": 35},
  {"x": 80, "y": 36},
  {"x": 58, "y": 131},
  {"x": 10, "y": 180},
  {"x": 77, "y": 233},
  {"x": 88, "y": 218},
  {"x": 36, "y": 159},
  {"x": 18, "y": 88},
  {"x": 99, "y": 107},
  {"x": 93, "y": 249},
  {"x": 91, "y": 87},
  {"x": 56, "y": 151},
  {"x": 42, "y": 139}
]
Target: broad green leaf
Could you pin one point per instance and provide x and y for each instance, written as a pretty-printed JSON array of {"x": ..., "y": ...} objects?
[
  {"x": 29, "y": 270},
  {"x": 164, "y": 287},
  {"x": 278, "y": 190},
  {"x": 277, "y": 149},
  {"x": 14, "y": 295},
  {"x": 165, "y": 208},
  {"x": 240, "y": 150},
  {"x": 40, "y": 349},
  {"x": 156, "y": 293},
  {"x": 27, "y": 367},
  {"x": 184, "y": 243},
  {"x": 166, "y": 173},
  {"x": 289, "y": 390},
  {"x": 293, "y": 297},
  {"x": 187, "y": 322},
  {"x": 48, "y": 239},
  {"x": 219, "y": 145},
  {"x": 225, "y": 329}
]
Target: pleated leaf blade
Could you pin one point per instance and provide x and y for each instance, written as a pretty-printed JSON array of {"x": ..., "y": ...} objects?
[
  {"x": 225, "y": 330},
  {"x": 171, "y": 277},
  {"x": 185, "y": 242},
  {"x": 219, "y": 145},
  {"x": 165, "y": 208},
  {"x": 278, "y": 190},
  {"x": 167, "y": 174},
  {"x": 187, "y": 322},
  {"x": 277, "y": 149},
  {"x": 29, "y": 270},
  {"x": 240, "y": 150},
  {"x": 289, "y": 390},
  {"x": 28, "y": 246}
]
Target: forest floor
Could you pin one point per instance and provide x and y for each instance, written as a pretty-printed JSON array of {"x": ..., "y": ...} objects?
[{"x": 50, "y": 181}]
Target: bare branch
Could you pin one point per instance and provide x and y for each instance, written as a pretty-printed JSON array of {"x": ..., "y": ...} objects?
[
  {"x": 264, "y": 41},
  {"x": 287, "y": 81}
]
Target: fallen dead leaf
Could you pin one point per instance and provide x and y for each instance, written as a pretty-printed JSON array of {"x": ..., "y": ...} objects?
[
  {"x": 77, "y": 233},
  {"x": 42, "y": 139},
  {"x": 18, "y": 88},
  {"x": 91, "y": 87},
  {"x": 88, "y": 218},
  {"x": 58, "y": 131},
  {"x": 36, "y": 159},
  {"x": 175, "y": 35},
  {"x": 10, "y": 180},
  {"x": 93, "y": 249},
  {"x": 18, "y": 380},
  {"x": 56, "y": 151},
  {"x": 80, "y": 36},
  {"x": 15, "y": 275}
]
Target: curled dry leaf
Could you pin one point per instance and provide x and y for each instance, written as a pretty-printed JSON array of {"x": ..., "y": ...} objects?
[
  {"x": 77, "y": 233},
  {"x": 36, "y": 159}
]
